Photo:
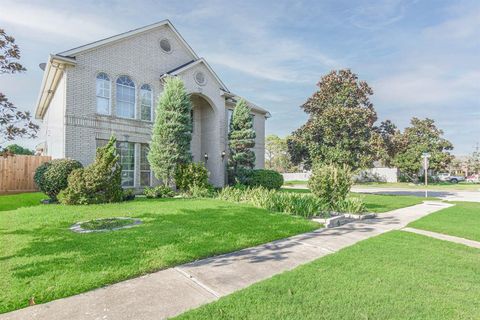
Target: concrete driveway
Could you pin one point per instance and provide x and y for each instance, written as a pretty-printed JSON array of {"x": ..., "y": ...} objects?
[{"x": 471, "y": 196}]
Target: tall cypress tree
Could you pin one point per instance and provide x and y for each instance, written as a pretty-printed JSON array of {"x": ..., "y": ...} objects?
[
  {"x": 172, "y": 131},
  {"x": 241, "y": 139}
]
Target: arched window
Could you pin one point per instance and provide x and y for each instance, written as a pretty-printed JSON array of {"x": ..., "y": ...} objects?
[
  {"x": 103, "y": 93},
  {"x": 125, "y": 97},
  {"x": 146, "y": 102}
]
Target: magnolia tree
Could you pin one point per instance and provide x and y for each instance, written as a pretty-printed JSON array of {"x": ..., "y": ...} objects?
[
  {"x": 172, "y": 131},
  {"x": 13, "y": 122},
  {"x": 340, "y": 123},
  {"x": 241, "y": 139}
]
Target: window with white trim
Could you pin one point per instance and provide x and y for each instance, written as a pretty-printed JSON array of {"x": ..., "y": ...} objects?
[
  {"x": 125, "y": 103},
  {"x": 103, "y": 88},
  {"x": 126, "y": 150},
  {"x": 145, "y": 174},
  {"x": 146, "y": 102}
]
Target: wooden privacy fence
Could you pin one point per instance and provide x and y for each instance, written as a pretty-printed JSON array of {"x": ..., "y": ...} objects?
[{"x": 16, "y": 173}]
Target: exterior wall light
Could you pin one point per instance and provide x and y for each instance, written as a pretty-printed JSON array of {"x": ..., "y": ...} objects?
[
  {"x": 223, "y": 154},
  {"x": 206, "y": 157}
]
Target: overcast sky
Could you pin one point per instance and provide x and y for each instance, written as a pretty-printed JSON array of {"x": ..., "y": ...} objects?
[{"x": 422, "y": 58}]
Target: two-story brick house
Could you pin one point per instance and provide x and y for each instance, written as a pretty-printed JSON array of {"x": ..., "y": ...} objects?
[{"x": 111, "y": 87}]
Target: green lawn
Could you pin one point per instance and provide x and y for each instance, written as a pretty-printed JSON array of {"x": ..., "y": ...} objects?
[
  {"x": 397, "y": 275},
  {"x": 462, "y": 186},
  {"x": 44, "y": 259},
  {"x": 295, "y": 182},
  {"x": 461, "y": 220},
  {"x": 377, "y": 203},
  {"x": 14, "y": 201}
]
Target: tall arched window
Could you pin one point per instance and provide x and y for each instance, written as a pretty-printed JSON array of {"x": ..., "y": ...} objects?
[
  {"x": 125, "y": 97},
  {"x": 146, "y": 101},
  {"x": 103, "y": 93}
]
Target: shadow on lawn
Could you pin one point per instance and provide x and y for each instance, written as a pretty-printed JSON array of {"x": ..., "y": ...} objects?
[
  {"x": 279, "y": 250},
  {"x": 168, "y": 239}
]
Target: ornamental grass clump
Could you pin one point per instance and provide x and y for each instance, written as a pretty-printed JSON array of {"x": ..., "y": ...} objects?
[
  {"x": 330, "y": 183},
  {"x": 304, "y": 205},
  {"x": 351, "y": 205}
]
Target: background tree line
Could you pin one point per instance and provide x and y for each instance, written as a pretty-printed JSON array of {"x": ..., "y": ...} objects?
[{"x": 342, "y": 129}]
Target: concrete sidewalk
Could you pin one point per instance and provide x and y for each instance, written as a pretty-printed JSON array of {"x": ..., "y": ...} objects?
[
  {"x": 172, "y": 291},
  {"x": 446, "y": 237}
]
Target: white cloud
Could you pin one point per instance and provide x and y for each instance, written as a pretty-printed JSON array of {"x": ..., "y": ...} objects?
[
  {"x": 377, "y": 15},
  {"x": 428, "y": 85},
  {"x": 47, "y": 21}
]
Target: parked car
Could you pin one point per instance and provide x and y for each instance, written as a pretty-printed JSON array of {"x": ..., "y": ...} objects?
[
  {"x": 446, "y": 177},
  {"x": 473, "y": 178}
]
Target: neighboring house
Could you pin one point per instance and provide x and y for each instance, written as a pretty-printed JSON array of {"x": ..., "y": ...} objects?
[{"x": 111, "y": 86}]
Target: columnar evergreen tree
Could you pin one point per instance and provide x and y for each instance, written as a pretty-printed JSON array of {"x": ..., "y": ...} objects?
[
  {"x": 172, "y": 131},
  {"x": 241, "y": 139}
]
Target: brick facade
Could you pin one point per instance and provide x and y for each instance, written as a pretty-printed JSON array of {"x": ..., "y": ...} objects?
[{"x": 141, "y": 58}]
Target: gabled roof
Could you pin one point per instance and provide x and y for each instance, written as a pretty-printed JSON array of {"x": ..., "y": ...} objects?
[
  {"x": 121, "y": 36},
  {"x": 192, "y": 64},
  {"x": 232, "y": 98}
]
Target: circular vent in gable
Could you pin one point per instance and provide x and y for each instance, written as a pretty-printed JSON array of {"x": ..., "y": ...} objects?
[
  {"x": 200, "y": 78},
  {"x": 165, "y": 45}
]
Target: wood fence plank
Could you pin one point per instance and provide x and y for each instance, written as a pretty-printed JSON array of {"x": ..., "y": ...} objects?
[{"x": 16, "y": 173}]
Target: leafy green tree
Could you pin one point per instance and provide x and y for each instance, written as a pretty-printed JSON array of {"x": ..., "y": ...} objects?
[
  {"x": 276, "y": 154},
  {"x": 16, "y": 149},
  {"x": 13, "y": 122},
  {"x": 422, "y": 136},
  {"x": 172, "y": 131},
  {"x": 340, "y": 123},
  {"x": 241, "y": 139},
  {"x": 384, "y": 142},
  {"x": 473, "y": 161}
]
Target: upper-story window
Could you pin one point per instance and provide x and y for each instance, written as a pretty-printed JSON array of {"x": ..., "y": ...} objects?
[
  {"x": 103, "y": 93},
  {"x": 125, "y": 97},
  {"x": 146, "y": 102}
]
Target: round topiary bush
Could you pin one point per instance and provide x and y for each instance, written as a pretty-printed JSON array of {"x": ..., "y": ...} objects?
[
  {"x": 55, "y": 176},
  {"x": 39, "y": 176},
  {"x": 265, "y": 178}
]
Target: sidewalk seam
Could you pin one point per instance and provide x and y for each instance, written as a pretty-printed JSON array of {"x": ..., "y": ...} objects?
[{"x": 197, "y": 282}]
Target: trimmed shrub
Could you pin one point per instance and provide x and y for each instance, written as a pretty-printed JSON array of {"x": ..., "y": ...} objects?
[
  {"x": 330, "y": 183},
  {"x": 128, "y": 195},
  {"x": 100, "y": 182},
  {"x": 265, "y": 178},
  {"x": 191, "y": 174},
  {"x": 305, "y": 205},
  {"x": 39, "y": 176},
  {"x": 158, "y": 192},
  {"x": 55, "y": 178}
]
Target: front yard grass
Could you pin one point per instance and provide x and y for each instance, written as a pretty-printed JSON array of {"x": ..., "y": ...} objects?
[
  {"x": 377, "y": 203},
  {"x": 461, "y": 220},
  {"x": 14, "y": 201},
  {"x": 41, "y": 258},
  {"x": 397, "y": 275}
]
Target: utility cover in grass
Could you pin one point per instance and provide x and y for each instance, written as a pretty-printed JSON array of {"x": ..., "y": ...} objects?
[{"x": 105, "y": 224}]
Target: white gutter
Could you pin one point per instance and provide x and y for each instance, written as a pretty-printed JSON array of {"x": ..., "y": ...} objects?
[{"x": 51, "y": 77}]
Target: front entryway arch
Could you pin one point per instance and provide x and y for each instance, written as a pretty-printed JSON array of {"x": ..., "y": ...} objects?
[{"x": 204, "y": 134}]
